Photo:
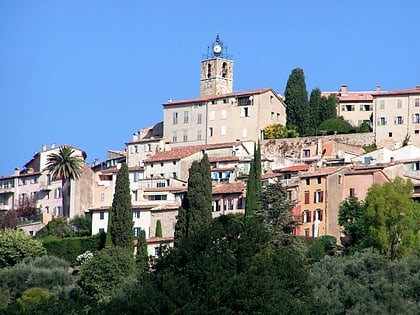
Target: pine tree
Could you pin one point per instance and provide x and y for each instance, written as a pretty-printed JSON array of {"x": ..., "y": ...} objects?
[
  {"x": 158, "y": 232},
  {"x": 296, "y": 99},
  {"x": 253, "y": 186},
  {"x": 122, "y": 213}
]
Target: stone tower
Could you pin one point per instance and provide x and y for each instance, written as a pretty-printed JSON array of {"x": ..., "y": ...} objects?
[{"x": 216, "y": 71}]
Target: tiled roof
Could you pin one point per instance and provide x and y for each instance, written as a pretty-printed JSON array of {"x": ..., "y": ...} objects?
[
  {"x": 166, "y": 189},
  {"x": 178, "y": 153},
  {"x": 135, "y": 168},
  {"x": 416, "y": 90},
  {"x": 222, "y": 96},
  {"x": 223, "y": 159},
  {"x": 321, "y": 171},
  {"x": 227, "y": 188},
  {"x": 270, "y": 175},
  {"x": 352, "y": 96},
  {"x": 294, "y": 168}
]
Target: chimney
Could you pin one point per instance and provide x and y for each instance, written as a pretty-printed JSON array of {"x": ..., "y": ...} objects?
[
  {"x": 17, "y": 171},
  {"x": 343, "y": 89},
  {"x": 135, "y": 136},
  {"x": 44, "y": 147},
  {"x": 417, "y": 87},
  {"x": 378, "y": 89},
  {"x": 52, "y": 145}
]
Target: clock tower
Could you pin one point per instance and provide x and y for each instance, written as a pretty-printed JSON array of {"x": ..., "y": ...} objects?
[{"x": 216, "y": 71}]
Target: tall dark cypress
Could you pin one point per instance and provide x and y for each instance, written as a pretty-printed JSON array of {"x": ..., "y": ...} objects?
[
  {"x": 253, "y": 186},
  {"x": 122, "y": 213},
  {"x": 195, "y": 211},
  {"x": 296, "y": 99}
]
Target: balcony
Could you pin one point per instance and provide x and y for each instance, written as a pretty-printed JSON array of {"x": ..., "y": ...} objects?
[
  {"x": 45, "y": 187},
  {"x": 7, "y": 190}
]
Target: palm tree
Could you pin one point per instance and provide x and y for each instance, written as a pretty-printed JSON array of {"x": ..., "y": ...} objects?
[{"x": 66, "y": 166}]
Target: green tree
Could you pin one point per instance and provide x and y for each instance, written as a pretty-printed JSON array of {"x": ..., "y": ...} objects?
[
  {"x": 253, "y": 185},
  {"x": 9, "y": 220},
  {"x": 158, "y": 232},
  {"x": 351, "y": 217},
  {"x": 278, "y": 131},
  {"x": 315, "y": 109},
  {"x": 277, "y": 208},
  {"x": 336, "y": 125},
  {"x": 16, "y": 245},
  {"x": 392, "y": 219},
  {"x": 100, "y": 275},
  {"x": 296, "y": 99},
  {"x": 81, "y": 225},
  {"x": 57, "y": 227},
  {"x": 65, "y": 165},
  {"x": 195, "y": 210},
  {"x": 32, "y": 297},
  {"x": 142, "y": 257},
  {"x": 122, "y": 214}
]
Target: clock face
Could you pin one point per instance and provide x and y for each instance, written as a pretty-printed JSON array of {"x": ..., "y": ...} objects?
[{"x": 217, "y": 49}]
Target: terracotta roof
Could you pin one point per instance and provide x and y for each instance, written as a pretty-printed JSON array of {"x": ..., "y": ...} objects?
[
  {"x": 221, "y": 169},
  {"x": 222, "y": 96},
  {"x": 321, "y": 171},
  {"x": 294, "y": 168},
  {"x": 223, "y": 159},
  {"x": 166, "y": 189},
  {"x": 352, "y": 96},
  {"x": 416, "y": 90},
  {"x": 269, "y": 175},
  {"x": 145, "y": 140},
  {"x": 178, "y": 153},
  {"x": 227, "y": 188},
  {"x": 135, "y": 168},
  {"x": 110, "y": 170}
]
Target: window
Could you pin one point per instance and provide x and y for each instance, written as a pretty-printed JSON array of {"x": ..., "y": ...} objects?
[
  {"x": 307, "y": 181},
  {"x": 340, "y": 179},
  {"x": 399, "y": 120},
  {"x": 318, "y": 214},
  {"x": 229, "y": 204},
  {"x": 306, "y": 197},
  {"x": 278, "y": 117},
  {"x": 102, "y": 196},
  {"x": 244, "y": 112},
  {"x": 214, "y": 102},
  {"x": 210, "y": 131},
  {"x": 382, "y": 121},
  {"x": 246, "y": 100},
  {"x": 318, "y": 179},
  {"x": 212, "y": 115},
  {"x": 417, "y": 131},
  {"x": 224, "y": 115},
  {"x": 101, "y": 215},
  {"x": 306, "y": 217},
  {"x": 174, "y": 118},
  {"x": 366, "y": 108},
  {"x": 57, "y": 193},
  {"x": 225, "y": 101},
  {"x": 199, "y": 119},
  {"x": 174, "y": 137},
  {"x": 158, "y": 197},
  {"x": 347, "y": 108},
  {"x": 244, "y": 133},
  {"x": 185, "y": 136},
  {"x": 272, "y": 115},
  {"x": 198, "y": 134},
  {"x": 399, "y": 103},
  {"x": 136, "y": 176},
  {"x": 306, "y": 153},
  {"x": 174, "y": 175},
  {"x": 416, "y": 118},
  {"x": 390, "y": 134},
  {"x": 382, "y": 104},
  {"x": 158, "y": 251},
  {"x": 352, "y": 192},
  {"x": 137, "y": 232},
  {"x": 223, "y": 130},
  {"x": 417, "y": 102},
  {"x": 185, "y": 117},
  {"x": 136, "y": 214},
  {"x": 307, "y": 232},
  {"x": 101, "y": 230},
  {"x": 318, "y": 196}
]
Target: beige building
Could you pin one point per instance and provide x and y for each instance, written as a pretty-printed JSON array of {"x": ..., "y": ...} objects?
[
  {"x": 397, "y": 117},
  {"x": 356, "y": 107},
  {"x": 220, "y": 114}
]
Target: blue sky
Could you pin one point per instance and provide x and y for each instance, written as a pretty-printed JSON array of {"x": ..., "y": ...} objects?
[{"x": 90, "y": 73}]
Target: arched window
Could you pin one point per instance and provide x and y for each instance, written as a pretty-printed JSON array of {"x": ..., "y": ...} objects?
[
  {"x": 208, "y": 70},
  {"x": 224, "y": 70}
]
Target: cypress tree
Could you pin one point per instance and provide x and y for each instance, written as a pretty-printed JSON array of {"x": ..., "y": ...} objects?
[
  {"x": 195, "y": 210},
  {"x": 253, "y": 185},
  {"x": 142, "y": 257},
  {"x": 122, "y": 213},
  {"x": 108, "y": 240},
  {"x": 158, "y": 232},
  {"x": 315, "y": 108},
  {"x": 296, "y": 99}
]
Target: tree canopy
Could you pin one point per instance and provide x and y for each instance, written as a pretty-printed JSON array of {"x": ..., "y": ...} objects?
[{"x": 253, "y": 185}]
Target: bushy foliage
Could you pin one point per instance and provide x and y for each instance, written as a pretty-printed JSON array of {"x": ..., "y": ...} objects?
[
  {"x": 9, "y": 220},
  {"x": 278, "y": 131},
  {"x": 15, "y": 245},
  {"x": 366, "y": 283},
  {"x": 57, "y": 227},
  {"x": 336, "y": 125},
  {"x": 101, "y": 274},
  {"x": 158, "y": 232}
]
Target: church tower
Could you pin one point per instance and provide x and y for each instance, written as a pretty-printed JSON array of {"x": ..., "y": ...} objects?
[{"x": 216, "y": 71}]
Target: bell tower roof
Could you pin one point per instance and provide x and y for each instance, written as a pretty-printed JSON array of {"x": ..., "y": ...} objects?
[{"x": 217, "y": 50}]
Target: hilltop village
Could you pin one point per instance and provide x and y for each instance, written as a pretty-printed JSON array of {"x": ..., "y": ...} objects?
[{"x": 319, "y": 172}]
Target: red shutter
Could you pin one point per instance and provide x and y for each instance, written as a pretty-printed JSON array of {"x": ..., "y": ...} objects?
[{"x": 321, "y": 215}]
